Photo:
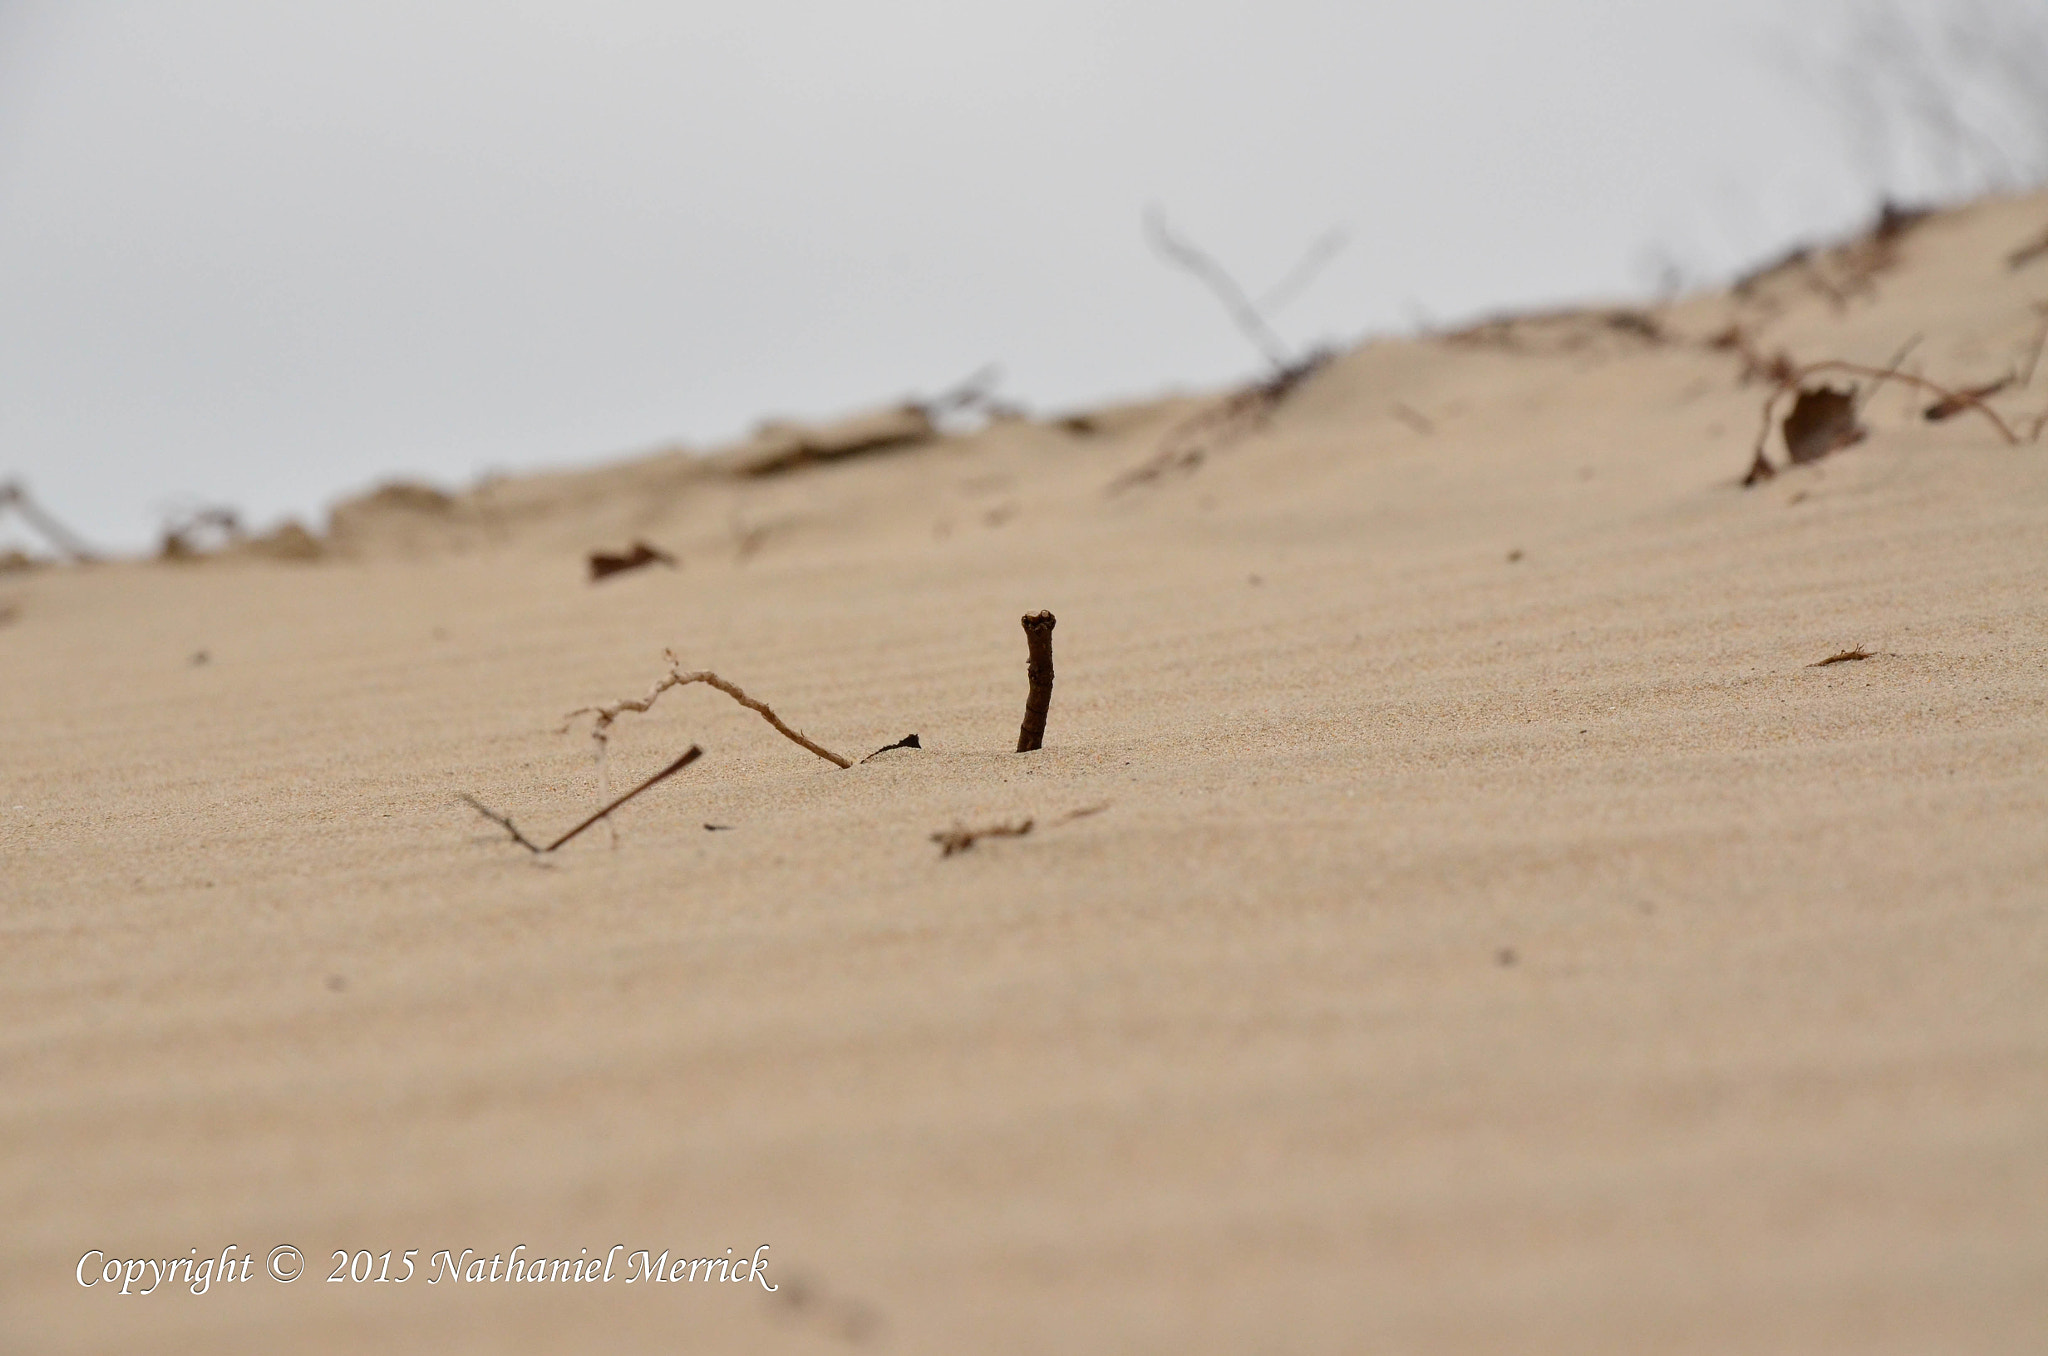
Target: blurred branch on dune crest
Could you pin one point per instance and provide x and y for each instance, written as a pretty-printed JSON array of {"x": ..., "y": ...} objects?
[
  {"x": 1189, "y": 442},
  {"x": 1947, "y": 101},
  {"x": 1249, "y": 316},
  {"x": 14, "y": 495}
]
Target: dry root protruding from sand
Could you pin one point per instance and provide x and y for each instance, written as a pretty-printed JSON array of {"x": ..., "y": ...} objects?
[
  {"x": 676, "y": 677},
  {"x": 505, "y": 821},
  {"x": 1843, "y": 657},
  {"x": 1821, "y": 425}
]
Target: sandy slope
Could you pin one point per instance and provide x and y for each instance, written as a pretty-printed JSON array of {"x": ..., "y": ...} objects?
[{"x": 1475, "y": 955}]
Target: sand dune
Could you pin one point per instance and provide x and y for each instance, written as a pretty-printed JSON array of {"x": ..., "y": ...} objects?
[{"x": 1499, "y": 936}]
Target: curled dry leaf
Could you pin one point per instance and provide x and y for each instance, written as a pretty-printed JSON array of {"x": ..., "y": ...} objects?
[{"x": 1823, "y": 420}]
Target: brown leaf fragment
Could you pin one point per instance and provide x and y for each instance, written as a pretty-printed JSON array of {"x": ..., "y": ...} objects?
[
  {"x": 1843, "y": 657},
  {"x": 604, "y": 565},
  {"x": 1950, "y": 406},
  {"x": 1822, "y": 420},
  {"x": 908, "y": 741}
]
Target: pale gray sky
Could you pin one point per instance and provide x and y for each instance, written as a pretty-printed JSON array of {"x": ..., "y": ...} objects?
[{"x": 264, "y": 254}]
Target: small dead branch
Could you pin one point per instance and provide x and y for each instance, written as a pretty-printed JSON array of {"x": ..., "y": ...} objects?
[
  {"x": 1845, "y": 657},
  {"x": 605, "y": 715},
  {"x": 908, "y": 741},
  {"x": 1038, "y": 638},
  {"x": 14, "y": 495},
  {"x": 1760, "y": 466},
  {"x": 505, "y": 821},
  {"x": 604, "y": 565},
  {"x": 959, "y": 838}
]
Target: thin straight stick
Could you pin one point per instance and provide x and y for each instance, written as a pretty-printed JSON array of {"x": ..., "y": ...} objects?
[
  {"x": 671, "y": 770},
  {"x": 505, "y": 821},
  {"x": 1038, "y": 635}
]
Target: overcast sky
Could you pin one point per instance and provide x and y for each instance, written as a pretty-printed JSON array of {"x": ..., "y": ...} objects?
[{"x": 264, "y": 254}]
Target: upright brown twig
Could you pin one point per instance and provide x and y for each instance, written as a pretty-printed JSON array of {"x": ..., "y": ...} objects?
[{"x": 1038, "y": 635}]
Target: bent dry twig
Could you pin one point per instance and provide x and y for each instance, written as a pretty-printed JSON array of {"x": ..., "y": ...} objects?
[
  {"x": 505, "y": 821},
  {"x": 1038, "y": 636},
  {"x": 605, "y": 715}
]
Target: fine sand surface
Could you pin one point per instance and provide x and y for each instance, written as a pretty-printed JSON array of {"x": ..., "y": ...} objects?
[{"x": 1474, "y": 954}]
